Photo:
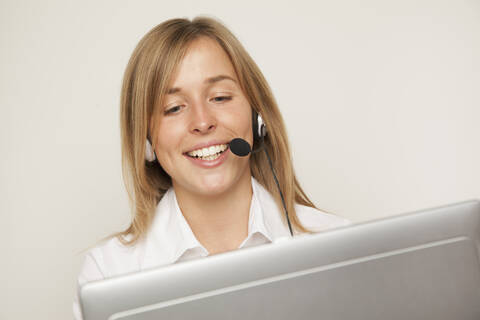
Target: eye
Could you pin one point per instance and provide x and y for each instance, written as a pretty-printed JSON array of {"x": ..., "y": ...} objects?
[
  {"x": 171, "y": 110},
  {"x": 222, "y": 98}
]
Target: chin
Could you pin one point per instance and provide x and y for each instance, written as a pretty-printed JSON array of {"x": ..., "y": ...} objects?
[{"x": 214, "y": 185}]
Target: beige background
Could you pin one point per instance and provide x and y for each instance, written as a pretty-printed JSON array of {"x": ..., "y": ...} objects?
[{"x": 381, "y": 101}]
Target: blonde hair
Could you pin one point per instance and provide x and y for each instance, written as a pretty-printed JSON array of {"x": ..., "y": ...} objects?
[{"x": 145, "y": 84}]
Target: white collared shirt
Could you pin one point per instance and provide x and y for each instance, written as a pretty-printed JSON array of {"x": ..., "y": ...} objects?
[{"x": 171, "y": 240}]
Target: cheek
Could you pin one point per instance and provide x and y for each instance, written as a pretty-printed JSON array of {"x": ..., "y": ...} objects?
[
  {"x": 247, "y": 126},
  {"x": 239, "y": 125},
  {"x": 241, "y": 121},
  {"x": 168, "y": 139}
]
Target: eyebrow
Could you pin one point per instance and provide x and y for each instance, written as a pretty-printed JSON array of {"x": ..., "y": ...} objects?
[{"x": 207, "y": 81}]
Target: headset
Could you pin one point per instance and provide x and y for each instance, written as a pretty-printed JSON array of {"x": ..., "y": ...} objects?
[{"x": 241, "y": 148}]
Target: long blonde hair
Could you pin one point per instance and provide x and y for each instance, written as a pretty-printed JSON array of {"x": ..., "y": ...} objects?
[{"x": 145, "y": 84}]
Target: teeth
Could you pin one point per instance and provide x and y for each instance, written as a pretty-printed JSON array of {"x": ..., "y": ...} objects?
[{"x": 210, "y": 153}]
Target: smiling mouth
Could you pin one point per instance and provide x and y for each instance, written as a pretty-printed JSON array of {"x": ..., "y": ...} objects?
[{"x": 208, "y": 154}]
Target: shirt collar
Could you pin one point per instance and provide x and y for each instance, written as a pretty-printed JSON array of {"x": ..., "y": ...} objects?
[{"x": 171, "y": 239}]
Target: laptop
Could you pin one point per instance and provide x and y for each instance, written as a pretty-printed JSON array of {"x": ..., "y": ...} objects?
[{"x": 422, "y": 265}]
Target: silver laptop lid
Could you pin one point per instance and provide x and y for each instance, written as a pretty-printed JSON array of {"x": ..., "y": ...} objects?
[{"x": 422, "y": 265}]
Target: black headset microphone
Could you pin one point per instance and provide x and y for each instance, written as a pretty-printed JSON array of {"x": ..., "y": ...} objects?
[{"x": 241, "y": 148}]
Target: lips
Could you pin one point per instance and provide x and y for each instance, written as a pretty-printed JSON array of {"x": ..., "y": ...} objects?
[
  {"x": 207, "y": 145},
  {"x": 209, "y": 162},
  {"x": 208, "y": 153}
]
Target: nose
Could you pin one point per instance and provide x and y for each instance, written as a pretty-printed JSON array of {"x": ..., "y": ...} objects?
[{"x": 203, "y": 120}]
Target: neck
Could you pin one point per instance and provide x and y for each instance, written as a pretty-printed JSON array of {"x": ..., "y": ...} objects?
[{"x": 219, "y": 222}]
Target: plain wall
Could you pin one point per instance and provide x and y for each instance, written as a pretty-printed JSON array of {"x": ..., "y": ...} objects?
[{"x": 380, "y": 98}]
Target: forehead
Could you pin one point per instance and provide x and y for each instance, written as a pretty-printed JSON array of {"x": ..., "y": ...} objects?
[{"x": 204, "y": 58}]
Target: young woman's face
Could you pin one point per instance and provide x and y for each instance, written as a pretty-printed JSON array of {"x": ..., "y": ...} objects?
[{"x": 204, "y": 110}]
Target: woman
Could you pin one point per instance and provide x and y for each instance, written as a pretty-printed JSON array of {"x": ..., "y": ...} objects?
[{"x": 189, "y": 89}]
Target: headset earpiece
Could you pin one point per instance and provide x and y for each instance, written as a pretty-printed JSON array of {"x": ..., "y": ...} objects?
[
  {"x": 259, "y": 131},
  {"x": 262, "y": 128},
  {"x": 149, "y": 152},
  {"x": 259, "y": 127}
]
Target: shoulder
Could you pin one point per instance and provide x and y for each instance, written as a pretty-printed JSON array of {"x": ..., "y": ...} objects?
[
  {"x": 108, "y": 259},
  {"x": 317, "y": 221}
]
